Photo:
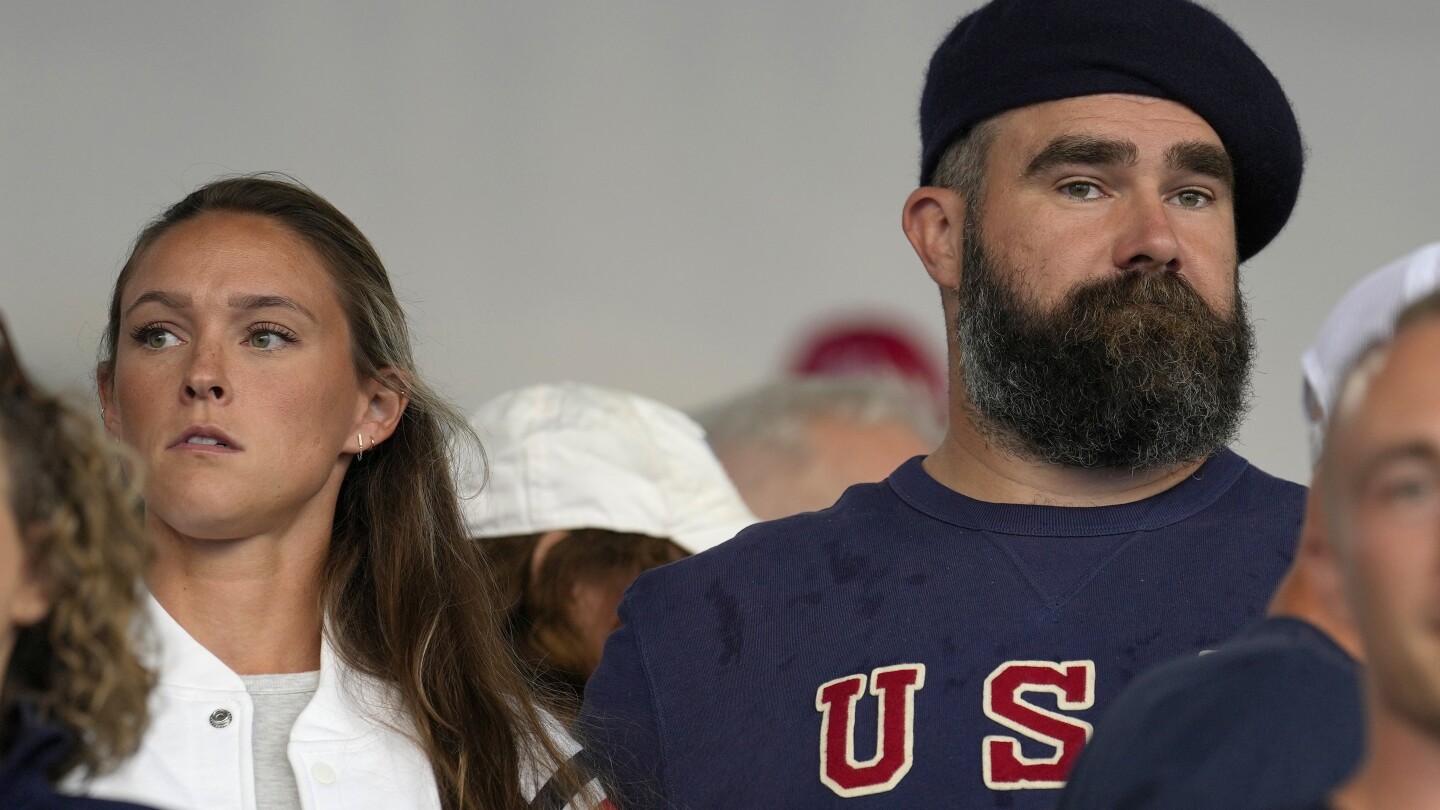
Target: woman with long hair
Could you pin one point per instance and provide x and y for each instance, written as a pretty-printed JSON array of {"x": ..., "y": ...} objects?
[
  {"x": 71, "y": 551},
  {"x": 327, "y": 633}
]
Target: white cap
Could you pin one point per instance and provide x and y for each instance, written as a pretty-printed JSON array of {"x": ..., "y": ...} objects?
[
  {"x": 572, "y": 456},
  {"x": 1364, "y": 316}
]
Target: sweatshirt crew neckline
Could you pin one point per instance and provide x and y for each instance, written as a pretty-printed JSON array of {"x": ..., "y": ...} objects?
[{"x": 1192, "y": 495}]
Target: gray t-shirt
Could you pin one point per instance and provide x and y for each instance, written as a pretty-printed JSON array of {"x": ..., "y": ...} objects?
[{"x": 278, "y": 700}]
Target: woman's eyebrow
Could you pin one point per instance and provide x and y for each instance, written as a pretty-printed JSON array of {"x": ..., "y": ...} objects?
[
  {"x": 271, "y": 302},
  {"x": 171, "y": 300},
  {"x": 247, "y": 302}
]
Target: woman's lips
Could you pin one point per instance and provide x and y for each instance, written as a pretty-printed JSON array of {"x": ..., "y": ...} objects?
[{"x": 204, "y": 439}]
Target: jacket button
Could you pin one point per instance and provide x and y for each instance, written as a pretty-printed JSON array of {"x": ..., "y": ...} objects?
[
  {"x": 324, "y": 774},
  {"x": 220, "y": 718}
]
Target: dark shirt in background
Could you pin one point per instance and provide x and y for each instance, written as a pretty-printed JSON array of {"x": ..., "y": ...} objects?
[
  {"x": 1271, "y": 719},
  {"x": 31, "y": 749}
]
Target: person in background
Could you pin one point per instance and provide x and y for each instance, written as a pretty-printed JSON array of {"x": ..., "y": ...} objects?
[
  {"x": 73, "y": 697},
  {"x": 1273, "y": 716},
  {"x": 796, "y": 444},
  {"x": 871, "y": 346},
  {"x": 587, "y": 488},
  {"x": 1366, "y": 314},
  {"x": 327, "y": 633},
  {"x": 1380, "y": 478}
]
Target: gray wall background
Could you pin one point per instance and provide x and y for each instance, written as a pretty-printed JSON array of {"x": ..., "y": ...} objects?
[{"x": 651, "y": 195}]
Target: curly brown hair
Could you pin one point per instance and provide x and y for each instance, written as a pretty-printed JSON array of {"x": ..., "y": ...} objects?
[
  {"x": 537, "y": 621},
  {"x": 79, "y": 520}
]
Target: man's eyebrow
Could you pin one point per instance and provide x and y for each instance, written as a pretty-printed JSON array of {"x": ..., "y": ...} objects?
[
  {"x": 1084, "y": 150},
  {"x": 1202, "y": 158},
  {"x": 271, "y": 302},
  {"x": 170, "y": 300},
  {"x": 1420, "y": 451}
]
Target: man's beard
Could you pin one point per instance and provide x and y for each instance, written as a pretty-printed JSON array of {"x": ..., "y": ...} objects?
[{"x": 1133, "y": 371}]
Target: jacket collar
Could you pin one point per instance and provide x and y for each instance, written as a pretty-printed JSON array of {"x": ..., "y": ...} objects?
[
  {"x": 178, "y": 659},
  {"x": 347, "y": 704}
]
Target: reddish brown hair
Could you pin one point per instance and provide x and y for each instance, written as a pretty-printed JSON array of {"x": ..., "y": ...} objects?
[{"x": 538, "y": 620}]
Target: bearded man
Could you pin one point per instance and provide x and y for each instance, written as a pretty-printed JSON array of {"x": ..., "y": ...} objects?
[{"x": 1091, "y": 176}]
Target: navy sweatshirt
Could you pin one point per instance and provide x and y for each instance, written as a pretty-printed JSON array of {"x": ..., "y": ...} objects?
[{"x": 913, "y": 647}]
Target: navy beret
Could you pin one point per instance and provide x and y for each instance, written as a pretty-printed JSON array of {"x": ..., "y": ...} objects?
[{"x": 1013, "y": 53}]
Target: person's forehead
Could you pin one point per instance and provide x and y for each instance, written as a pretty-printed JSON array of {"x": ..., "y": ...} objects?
[
  {"x": 1110, "y": 115},
  {"x": 214, "y": 230},
  {"x": 223, "y": 250},
  {"x": 1401, "y": 403}
]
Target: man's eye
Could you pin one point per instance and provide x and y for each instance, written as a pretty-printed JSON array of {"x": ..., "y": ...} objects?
[
  {"x": 1411, "y": 489},
  {"x": 1080, "y": 191},
  {"x": 1192, "y": 199},
  {"x": 1408, "y": 490}
]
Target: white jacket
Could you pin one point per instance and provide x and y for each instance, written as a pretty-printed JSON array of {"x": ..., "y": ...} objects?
[{"x": 197, "y": 752}]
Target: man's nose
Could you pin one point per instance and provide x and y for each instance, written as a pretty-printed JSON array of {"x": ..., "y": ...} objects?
[{"x": 1147, "y": 242}]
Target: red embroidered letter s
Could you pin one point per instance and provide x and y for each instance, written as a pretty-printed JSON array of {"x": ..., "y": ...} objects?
[{"x": 1073, "y": 684}]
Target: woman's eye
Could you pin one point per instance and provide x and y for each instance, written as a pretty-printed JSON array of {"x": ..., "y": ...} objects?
[
  {"x": 159, "y": 338},
  {"x": 1080, "y": 191},
  {"x": 269, "y": 339}
]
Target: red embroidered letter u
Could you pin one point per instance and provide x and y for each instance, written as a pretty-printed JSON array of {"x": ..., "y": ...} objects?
[{"x": 895, "y": 686}]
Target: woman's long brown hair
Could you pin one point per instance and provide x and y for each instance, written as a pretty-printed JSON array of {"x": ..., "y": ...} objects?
[{"x": 408, "y": 597}]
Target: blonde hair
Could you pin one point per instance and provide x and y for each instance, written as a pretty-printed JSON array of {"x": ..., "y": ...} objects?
[{"x": 79, "y": 519}]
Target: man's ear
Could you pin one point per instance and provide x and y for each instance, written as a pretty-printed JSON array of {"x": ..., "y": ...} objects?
[
  {"x": 386, "y": 398},
  {"x": 934, "y": 222},
  {"x": 104, "y": 386}
]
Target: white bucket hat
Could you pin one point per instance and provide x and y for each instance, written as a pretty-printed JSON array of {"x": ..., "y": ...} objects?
[
  {"x": 573, "y": 456},
  {"x": 1366, "y": 314}
]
